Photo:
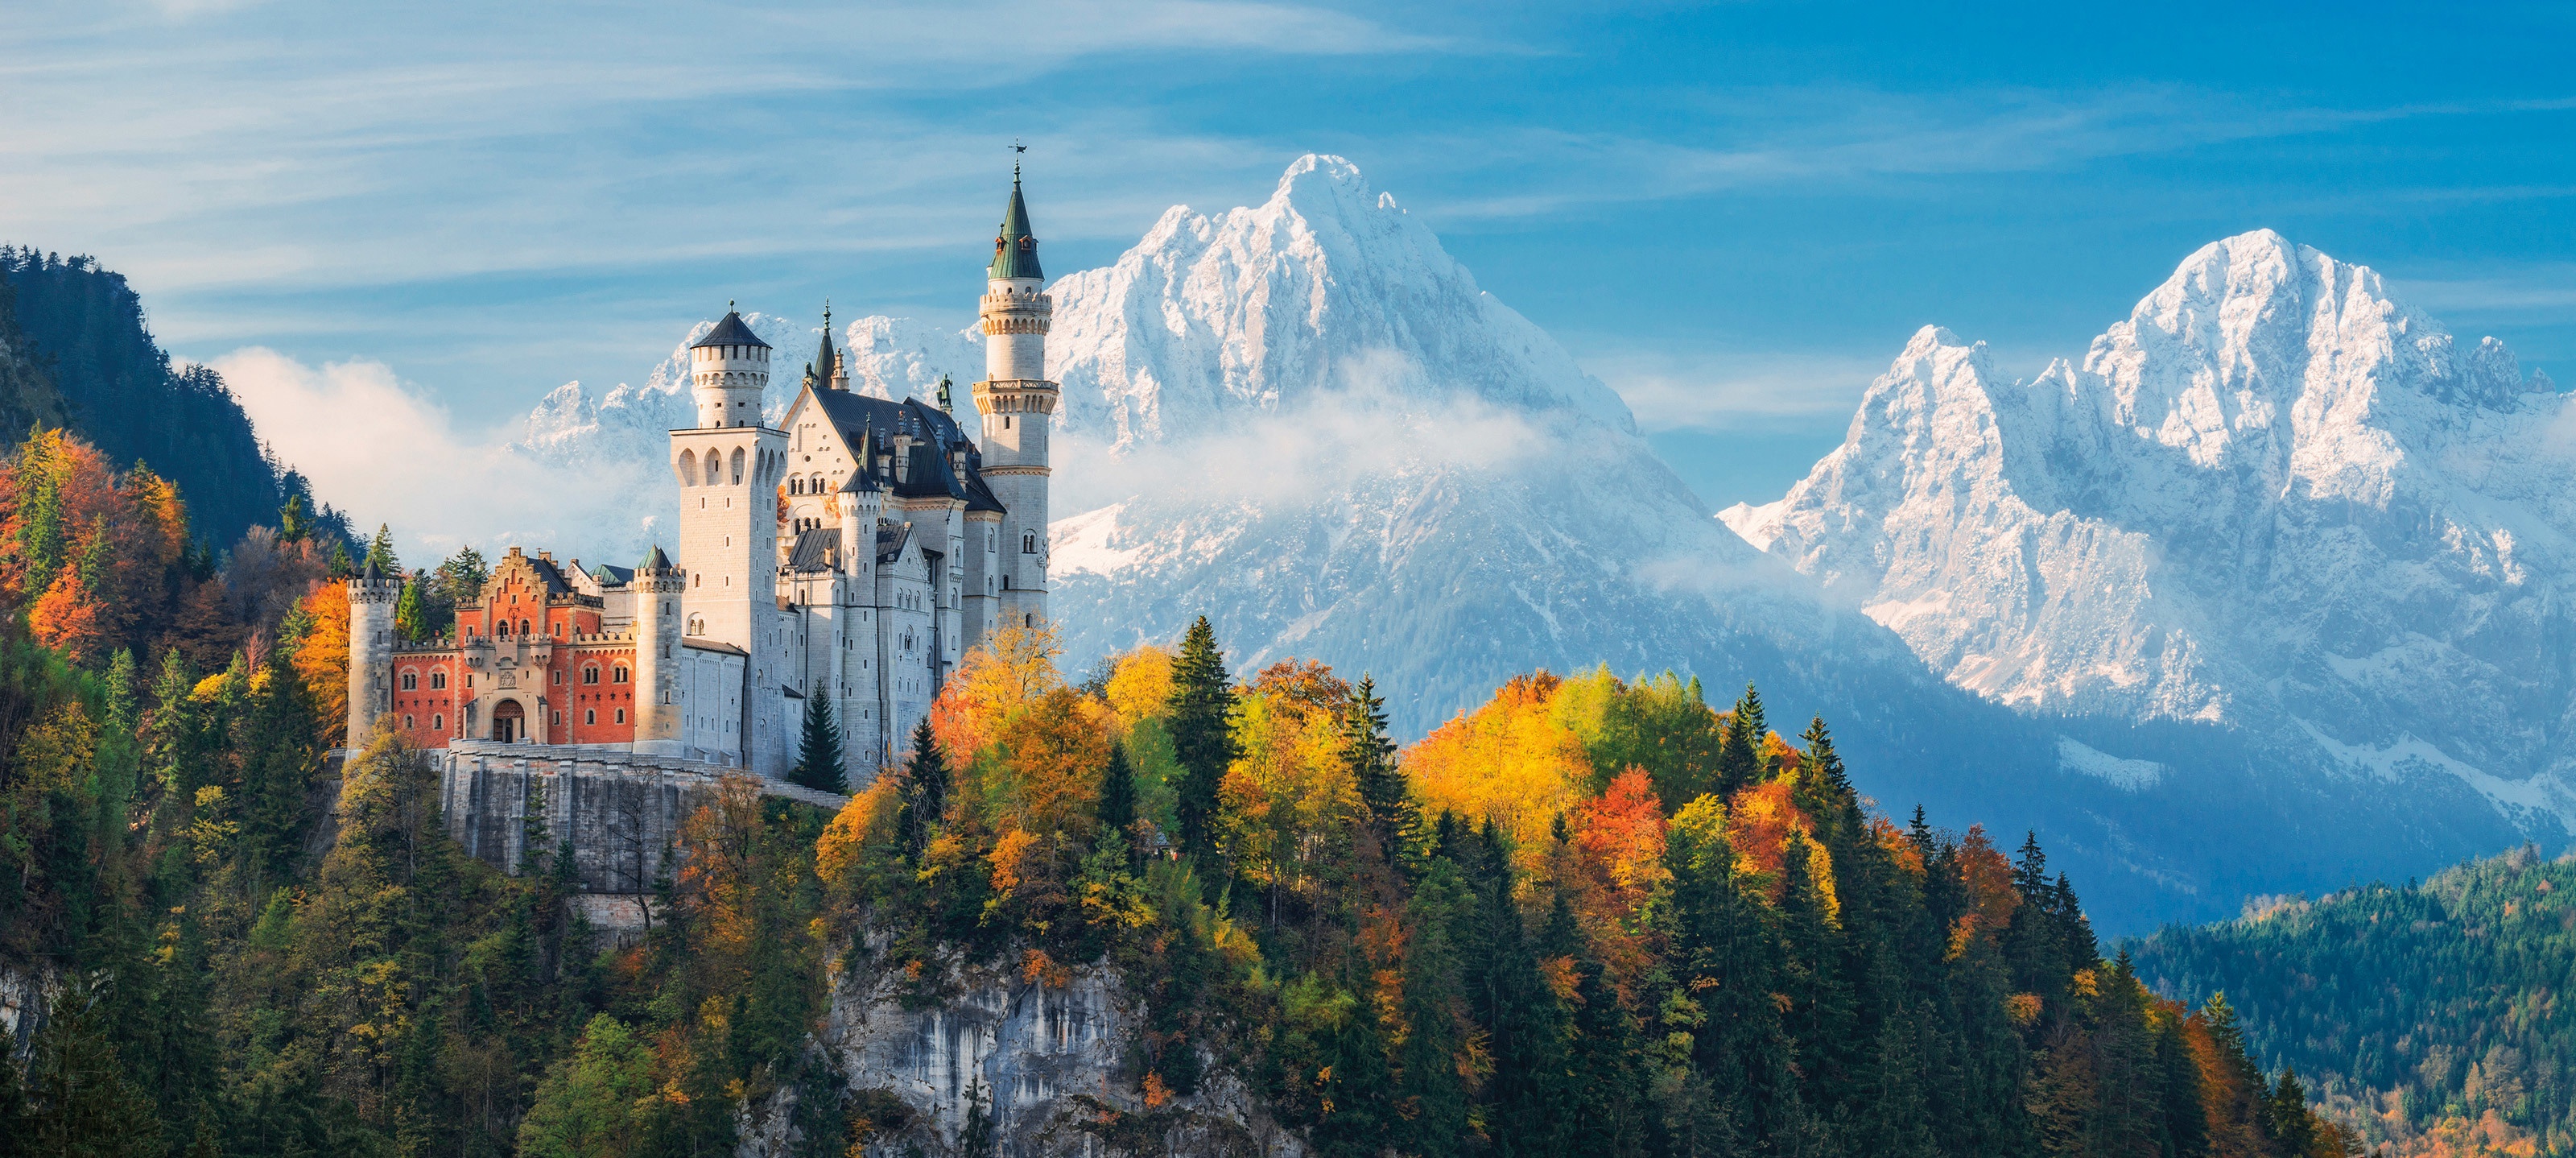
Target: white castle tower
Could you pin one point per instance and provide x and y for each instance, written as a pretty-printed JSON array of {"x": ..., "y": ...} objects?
[
  {"x": 371, "y": 650},
  {"x": 659, "y": 588},
  {"x": 729, "y": 467},
  {"x": 1017, "y": 402}
]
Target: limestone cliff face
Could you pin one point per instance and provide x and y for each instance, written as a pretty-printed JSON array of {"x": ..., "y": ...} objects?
[{"x": 1045, "y": 1057}]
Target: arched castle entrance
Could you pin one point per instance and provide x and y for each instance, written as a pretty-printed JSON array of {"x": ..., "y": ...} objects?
[{"x": 509, "y": 722}]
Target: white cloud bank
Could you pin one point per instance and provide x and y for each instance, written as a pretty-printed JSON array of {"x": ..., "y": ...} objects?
[{"x": 385, "y": 454}]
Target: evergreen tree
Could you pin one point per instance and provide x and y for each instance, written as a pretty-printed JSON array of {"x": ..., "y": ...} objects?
[
  {"x": 380, "y": 552},
  {"x": 1431, "y": 1097},
  {"x": 1202, "y": 735},
  {"x": 80, "y": 1101},
  {"x": 1739, "y": 749},
  {"x": 1526, "y": 1098},
  {"x": 340, "y": 565},
  {"x": 293, "y": 522},
  {"x": 818, "y": 750},
  {"x": 412, "y": 620},
  {"x": 1392, "y": 815},
  {"x": 1118, "y": 794},
  {"x": 924, "y": 805}
]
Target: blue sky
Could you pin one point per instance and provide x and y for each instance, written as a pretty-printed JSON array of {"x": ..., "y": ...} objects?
[{"x": 1733, "y": 213}]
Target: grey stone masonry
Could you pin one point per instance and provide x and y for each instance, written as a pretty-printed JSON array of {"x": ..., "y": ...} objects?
[{"x": 622, "y": 810}]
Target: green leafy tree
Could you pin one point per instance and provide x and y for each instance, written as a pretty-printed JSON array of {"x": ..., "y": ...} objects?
[
  {"x": 818, "y": 750},
  {"x": 587, "y": 1108}
]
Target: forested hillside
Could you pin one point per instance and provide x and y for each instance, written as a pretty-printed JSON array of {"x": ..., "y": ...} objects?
[
  {"x": 2426, "y": 1017},
  {"x": 1594, "y": 916},
  {"x": 84, "y": 329}
]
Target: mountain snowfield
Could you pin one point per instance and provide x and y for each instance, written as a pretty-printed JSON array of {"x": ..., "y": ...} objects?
[
  {"x": 1304, "y": 420},
  {"x": 2275, "y": 499}
]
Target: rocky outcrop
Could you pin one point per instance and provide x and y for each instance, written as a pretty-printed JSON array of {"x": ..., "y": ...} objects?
[{"x": 1048, "y": 1058}]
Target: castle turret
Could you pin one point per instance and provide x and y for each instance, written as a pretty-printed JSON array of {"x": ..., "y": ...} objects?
[
  {"x": 371, "y": 649},
  {"x": 658, "y": 586},
  {"x": 1018, "y": 403},
  {"x": 826, "y": 366},
  {"x": 727, "y": 370}
]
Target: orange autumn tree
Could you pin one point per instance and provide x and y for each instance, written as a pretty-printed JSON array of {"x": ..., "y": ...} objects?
[
  {"x": 320, "y": 654},
  {"x": 1012, "y": 669}
]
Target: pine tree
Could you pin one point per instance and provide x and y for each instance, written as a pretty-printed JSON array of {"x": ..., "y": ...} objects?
[
  {"x": 1202, "y": 731},
  {"x": 924, "y": 805},
  {"x": 818, "y": 750},
  {"x": 1739, "y": 750},
  {"x": 81, "y": 1100},
  {"x": 1430, "y": 1095},
  {"x": 1118, "y": 794},
  {"x": 1526, "y": 1099},
  {"x": 340, "y": 566},
  {"x": 1392, "y": 815},
  {"x": 380, "y": 552},
  {"x": 411, "y": 614},
  {"x": 293, "y": 522}
]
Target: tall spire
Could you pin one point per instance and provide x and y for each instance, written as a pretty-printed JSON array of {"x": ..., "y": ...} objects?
[
  {"x": 1015, "y": 251},
  {"x": 818, "y": 373}
]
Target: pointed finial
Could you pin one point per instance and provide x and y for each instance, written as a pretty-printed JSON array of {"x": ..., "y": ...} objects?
[
  {"x": 827, "y": 315},
  {"x": 729, "y": 305}
]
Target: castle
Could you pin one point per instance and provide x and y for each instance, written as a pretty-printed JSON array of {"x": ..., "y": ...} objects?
[{"x": 851, "y": 554}]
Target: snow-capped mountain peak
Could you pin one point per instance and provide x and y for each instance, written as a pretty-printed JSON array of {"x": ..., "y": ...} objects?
[{"x": 2275, "y": 497}]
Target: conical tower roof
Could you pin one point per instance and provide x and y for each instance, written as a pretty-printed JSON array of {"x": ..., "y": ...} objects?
[
  {"x": 655, "y": 560},
  {"x": 1015, "y": 250},
  {"x": 730, "y": 332},
  {"x": 819, "y": 371}
]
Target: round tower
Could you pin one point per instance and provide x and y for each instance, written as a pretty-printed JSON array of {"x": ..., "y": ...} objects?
[
  {"x": 727, "y": 371},
  {"x": 371, "y": 650},
  {"x": 657, "y": 669},
  {"x": 1018, "y": 403}
]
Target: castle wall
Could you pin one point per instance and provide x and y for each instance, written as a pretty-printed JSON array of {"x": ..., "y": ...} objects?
[{"x": 622, "y": 811}]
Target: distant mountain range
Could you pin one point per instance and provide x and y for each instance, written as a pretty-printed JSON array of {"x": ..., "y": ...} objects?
[{"x": 1304, "y": 420}]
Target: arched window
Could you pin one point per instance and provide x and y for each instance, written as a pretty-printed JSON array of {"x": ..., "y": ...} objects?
[
  {"x": 617, "y": 675},
  {"x": 502, "y": 628},
  {"x": 714, "y": 464},
  {"x": 438, "y": 723},
  {"x": 411, "y": 682},
  {"x": 590, "y": 715},
  {"x": 1028, "y": 542},
  {"x": 437, "y": 679},
  {"x": 737, "y": 466},
  {"x": 523, "y": 627},
  {"x": 688, "y": 467},
  {"x": 590, "y": 674},
  {"x": 796, "y": 486},
  {"x": 407, "y": 724},
  {"x": 621, "y": 715}
]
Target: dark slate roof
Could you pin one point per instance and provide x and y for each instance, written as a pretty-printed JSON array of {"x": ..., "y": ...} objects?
[
  {"x": 613, "y": 576},
  {"x": 927, "y": 472},
  {"x": 814, "y": 549},
  {"x": 979, "y": 497},
  {"x": 890, "y": 541},
  {"x": 703, "y": 644},
  {"x": 730, "y": 332},
  {"x": 1015, "y": 252},
  {"x": 553, "y": 575}
]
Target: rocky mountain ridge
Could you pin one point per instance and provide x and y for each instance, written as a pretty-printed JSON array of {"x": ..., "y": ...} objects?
[{"x": 2275, "y": 498}]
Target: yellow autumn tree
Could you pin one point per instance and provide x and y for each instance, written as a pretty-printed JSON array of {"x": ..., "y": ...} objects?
[
  {"x": 1012, "y": 669},
  {"x": 1510, "y": 761},
  {"x": 1288, "y": 806}
]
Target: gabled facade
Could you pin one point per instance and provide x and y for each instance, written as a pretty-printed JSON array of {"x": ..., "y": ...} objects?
[{"x": 852, "y": 554}]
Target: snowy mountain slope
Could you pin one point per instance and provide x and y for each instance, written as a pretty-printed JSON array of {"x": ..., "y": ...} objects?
[
  {"x": 2274, "y": 498},
  {"x": 621, "y": 435}
]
